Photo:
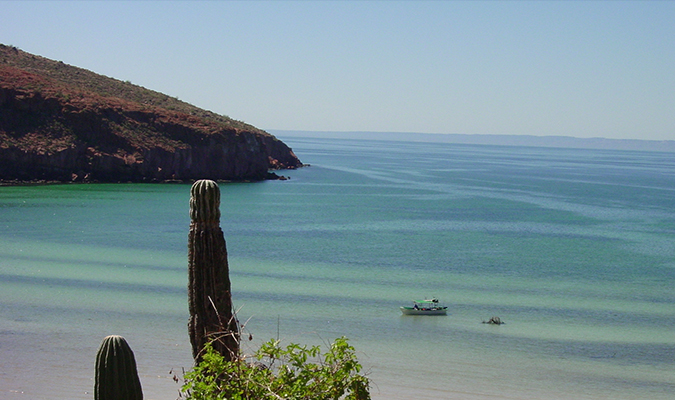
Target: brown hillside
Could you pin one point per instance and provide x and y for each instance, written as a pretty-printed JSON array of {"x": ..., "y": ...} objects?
[{"x": 63, "y": 123}]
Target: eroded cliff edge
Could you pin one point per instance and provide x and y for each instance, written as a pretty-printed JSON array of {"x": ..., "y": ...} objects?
[{"x": 63, "y": 123}]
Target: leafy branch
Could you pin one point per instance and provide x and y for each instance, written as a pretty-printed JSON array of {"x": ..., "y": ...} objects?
[{"x": 274, "y": 373}]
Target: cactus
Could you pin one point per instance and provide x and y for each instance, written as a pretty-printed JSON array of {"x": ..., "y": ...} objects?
[
  {"x": 209, "y": 298},
  {"x": 116, "y": 375}
]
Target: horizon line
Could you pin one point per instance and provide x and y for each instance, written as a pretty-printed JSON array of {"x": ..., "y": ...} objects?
[{"x": 559, "y": 141}]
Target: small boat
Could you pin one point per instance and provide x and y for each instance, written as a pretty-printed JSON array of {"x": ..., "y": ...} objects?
[{"x": 425, "y": 307}]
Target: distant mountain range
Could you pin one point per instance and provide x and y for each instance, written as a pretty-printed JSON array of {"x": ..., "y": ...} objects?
[
  {"x": 63, "y": 123},
  {"x": 496, "y": 140}
]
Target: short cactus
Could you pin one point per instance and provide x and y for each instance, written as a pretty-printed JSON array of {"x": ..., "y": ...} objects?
[{"x": 116, "y": 374}]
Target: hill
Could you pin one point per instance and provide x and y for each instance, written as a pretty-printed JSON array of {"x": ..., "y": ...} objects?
[{"x": 63, "y": 123}]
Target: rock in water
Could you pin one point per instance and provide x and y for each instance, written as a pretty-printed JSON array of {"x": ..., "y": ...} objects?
[{"x": 494, "y": 321}]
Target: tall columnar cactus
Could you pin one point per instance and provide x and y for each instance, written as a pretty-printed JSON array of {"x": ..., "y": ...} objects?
[
  {"x": 116, "y": 375},
  {"x": 210, "y": 301}
]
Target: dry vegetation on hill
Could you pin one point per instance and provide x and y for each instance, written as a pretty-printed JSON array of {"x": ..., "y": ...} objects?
[{"x": 59, "y": 122}]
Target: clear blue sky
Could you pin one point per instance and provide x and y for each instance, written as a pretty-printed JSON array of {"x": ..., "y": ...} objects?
[{"x": 573, "y": 68}]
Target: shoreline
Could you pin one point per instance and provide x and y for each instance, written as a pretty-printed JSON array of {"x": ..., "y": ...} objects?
[{"x": 272, "y": 176}]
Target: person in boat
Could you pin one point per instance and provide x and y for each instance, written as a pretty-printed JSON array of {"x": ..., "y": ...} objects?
[{"x": 415, "y": 306}]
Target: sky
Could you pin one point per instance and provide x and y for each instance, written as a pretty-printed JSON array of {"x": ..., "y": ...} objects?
[{"x": 544, "y": 68}]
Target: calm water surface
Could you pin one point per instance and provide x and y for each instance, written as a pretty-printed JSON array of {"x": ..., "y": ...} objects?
[{"x": 574, "y": 249}]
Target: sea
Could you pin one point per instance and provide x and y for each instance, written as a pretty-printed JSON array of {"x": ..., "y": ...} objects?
[{"x": 574, "y": 249}]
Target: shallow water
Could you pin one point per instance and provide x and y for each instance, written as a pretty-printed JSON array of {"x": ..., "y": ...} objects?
[{"x": 572, "y": 248}]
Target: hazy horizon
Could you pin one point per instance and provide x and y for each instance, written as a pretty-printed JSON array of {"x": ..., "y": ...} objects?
[{"x": 561, "y": 141}]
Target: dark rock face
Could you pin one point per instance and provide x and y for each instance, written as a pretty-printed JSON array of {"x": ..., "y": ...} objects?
[{"x": 55, "y": 131}]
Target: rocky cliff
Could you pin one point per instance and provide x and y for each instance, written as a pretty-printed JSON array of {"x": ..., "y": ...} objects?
[{"x": 62, "y": 123}]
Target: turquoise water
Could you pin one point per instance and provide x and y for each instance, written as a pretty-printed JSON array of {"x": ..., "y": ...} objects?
[{"x": 574, "y": 249}]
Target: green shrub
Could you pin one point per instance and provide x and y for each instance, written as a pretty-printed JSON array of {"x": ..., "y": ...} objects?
[{"x": 292, "y": 373}]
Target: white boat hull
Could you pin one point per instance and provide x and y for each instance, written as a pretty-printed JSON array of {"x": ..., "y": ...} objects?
[{"x": 420, "y": 311}]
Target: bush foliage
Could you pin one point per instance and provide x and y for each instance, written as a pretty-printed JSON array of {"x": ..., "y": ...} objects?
[{"x": 291, "y": 373}]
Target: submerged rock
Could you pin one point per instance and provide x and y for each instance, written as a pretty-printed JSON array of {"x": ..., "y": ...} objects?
[{"x": 494, "y": 321}]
